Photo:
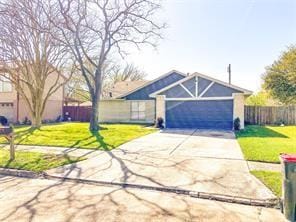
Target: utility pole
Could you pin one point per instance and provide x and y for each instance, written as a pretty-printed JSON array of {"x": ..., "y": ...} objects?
[{"x": 229, "y": 73}]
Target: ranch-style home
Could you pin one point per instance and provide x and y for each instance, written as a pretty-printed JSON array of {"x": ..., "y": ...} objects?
[{"x": 183, "y": 101}]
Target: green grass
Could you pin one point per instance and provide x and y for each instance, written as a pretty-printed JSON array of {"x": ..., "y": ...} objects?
[
  {"x": 265, "y": 143},
  {"x": 32, "y": 161},
  {"x": 273, "y": 180},
  {"x": 109, "y": 137}
]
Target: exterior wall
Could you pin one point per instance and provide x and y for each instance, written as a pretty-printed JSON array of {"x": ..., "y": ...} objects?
[
  {"x": 160, "y": 107},
  {"x": 217, "y": 90},
  {"x": 196, "y": 87},
  {"x": 176, "y": 92},
  {"x": 143, "y": 93},
  {"x": 202, "y": 84},
  {"x": 5, "y": 109},
  {"x": 190, "y": 85},
  {"x": 53, "y": 109},
  {"x": 8, "y": 97},
  {"x": 119, "y": 111},
  {"x": 238, "y": 108}
]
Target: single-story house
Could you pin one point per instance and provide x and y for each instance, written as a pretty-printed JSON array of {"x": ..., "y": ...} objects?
[{"x": 183, "y": 101}]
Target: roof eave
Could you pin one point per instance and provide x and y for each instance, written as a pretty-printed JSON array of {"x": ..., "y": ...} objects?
[{"x": 150, "y": 82}]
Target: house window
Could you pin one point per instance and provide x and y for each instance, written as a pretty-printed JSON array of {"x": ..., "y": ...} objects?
[
  {"x": 5, "y": 84},
  {"x": 138, "y": 110}
]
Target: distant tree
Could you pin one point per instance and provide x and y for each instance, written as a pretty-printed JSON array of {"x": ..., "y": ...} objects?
[
  {"x": 94, "y": 30},
  {"x": 128, "y": 73},
  {"x": 116, "y": 73},
  {"x": 280, "y": 77},
  {"x": 258, "y": 99},
  {"x": 77, "y": 88},
  {"x": 30, "y": 54}
]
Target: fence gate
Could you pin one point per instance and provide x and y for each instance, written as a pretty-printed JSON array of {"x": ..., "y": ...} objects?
[{"x": 78, "y": 113}]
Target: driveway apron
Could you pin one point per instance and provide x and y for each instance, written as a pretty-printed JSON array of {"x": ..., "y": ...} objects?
[{"x": 196, "y": 160}]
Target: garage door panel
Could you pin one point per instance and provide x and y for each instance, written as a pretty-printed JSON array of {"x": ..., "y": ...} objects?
[{"x": 199, "y": 114}]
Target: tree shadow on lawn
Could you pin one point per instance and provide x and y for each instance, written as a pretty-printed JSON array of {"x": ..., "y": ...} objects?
[
  {"x": 97, "y": 138},
  {"x": 64, "y": 158},
  {"x": 260, "y": 131},
  {"x": 23, "y": 135},
  {"x": 100, "y": 139}
]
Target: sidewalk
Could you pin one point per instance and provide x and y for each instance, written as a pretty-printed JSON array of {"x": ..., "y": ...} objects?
[{"x": 253, "y": 165}]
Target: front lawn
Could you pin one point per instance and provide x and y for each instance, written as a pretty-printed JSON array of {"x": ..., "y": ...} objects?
[
  {"x": 265, "y": 143},
  {"x": 32, "y": 161},
  {"x": 273, "y": 180},
  {"x": 77, "y": 135}
]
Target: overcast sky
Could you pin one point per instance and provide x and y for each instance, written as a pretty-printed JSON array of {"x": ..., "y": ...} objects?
[{"x": 206, "y": 35}]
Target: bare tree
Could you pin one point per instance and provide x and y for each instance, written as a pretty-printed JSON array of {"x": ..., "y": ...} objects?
[
  {"x": 29, "y": 55},
  {"x": 116, "y": 74},
  {"x": 76, "y": 88},
  {"x": 95, "y": 29},
  {"x": 128, "y": 73}
]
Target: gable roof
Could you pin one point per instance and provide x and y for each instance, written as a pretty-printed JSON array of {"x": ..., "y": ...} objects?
[
  {"x": 151, "y": 82},
  {"x": 245, "y": 91}
]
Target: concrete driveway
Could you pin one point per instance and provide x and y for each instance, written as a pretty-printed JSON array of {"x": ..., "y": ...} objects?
[{"x": 196, "y": 160}]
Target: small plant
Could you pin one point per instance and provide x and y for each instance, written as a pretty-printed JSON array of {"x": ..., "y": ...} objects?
[
  {"x": 236, "y": 124},
  {"x": 26, "y": 121},
  {"x": 59, "y": 119},
  {"x": 159, "y": 123},
  {"x": 279, "y": 123}
]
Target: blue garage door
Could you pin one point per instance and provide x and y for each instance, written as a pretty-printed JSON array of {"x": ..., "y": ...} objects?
[{"x": 213, "y": 114}]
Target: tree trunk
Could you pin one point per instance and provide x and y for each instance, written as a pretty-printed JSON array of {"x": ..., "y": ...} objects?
[
  {"x": 94, "y": 118},
  {"x": 36, "y": 120}
]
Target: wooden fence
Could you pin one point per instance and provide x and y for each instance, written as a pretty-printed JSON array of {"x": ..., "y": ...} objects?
[
  {"x": 262, "y": 115},
  {"x": 77, "y": 113}
]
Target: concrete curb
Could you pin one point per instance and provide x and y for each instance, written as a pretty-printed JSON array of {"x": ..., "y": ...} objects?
[
  {"x": 21, "y": 173},
  {"x": 270, "y": 203}
]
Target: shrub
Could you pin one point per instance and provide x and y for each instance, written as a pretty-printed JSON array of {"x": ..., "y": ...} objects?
[
  {"x": 59, "y": 119},
  {"x": 159, "y": 123},
  {"x": 236, "y": 124},
  {"x": 3, "y": 121},
  {"x": 26, "y": 121}
]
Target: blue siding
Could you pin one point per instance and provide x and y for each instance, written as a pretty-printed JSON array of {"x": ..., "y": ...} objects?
[
  {"x": 202, "y": 84},
  {"x": 190, "y": 85},
  {"x": 215, "y": 114},
  {"x": 143, "y": 93},
  {"x": 217, "y": 90},
  {"x": 176, "y": 92}
]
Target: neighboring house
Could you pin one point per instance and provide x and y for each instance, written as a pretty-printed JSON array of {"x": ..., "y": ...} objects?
[
  {"x": 183, "y": 101},
  {"x": 13, "y": 106},
  {"x": 123, "y": 87}
]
